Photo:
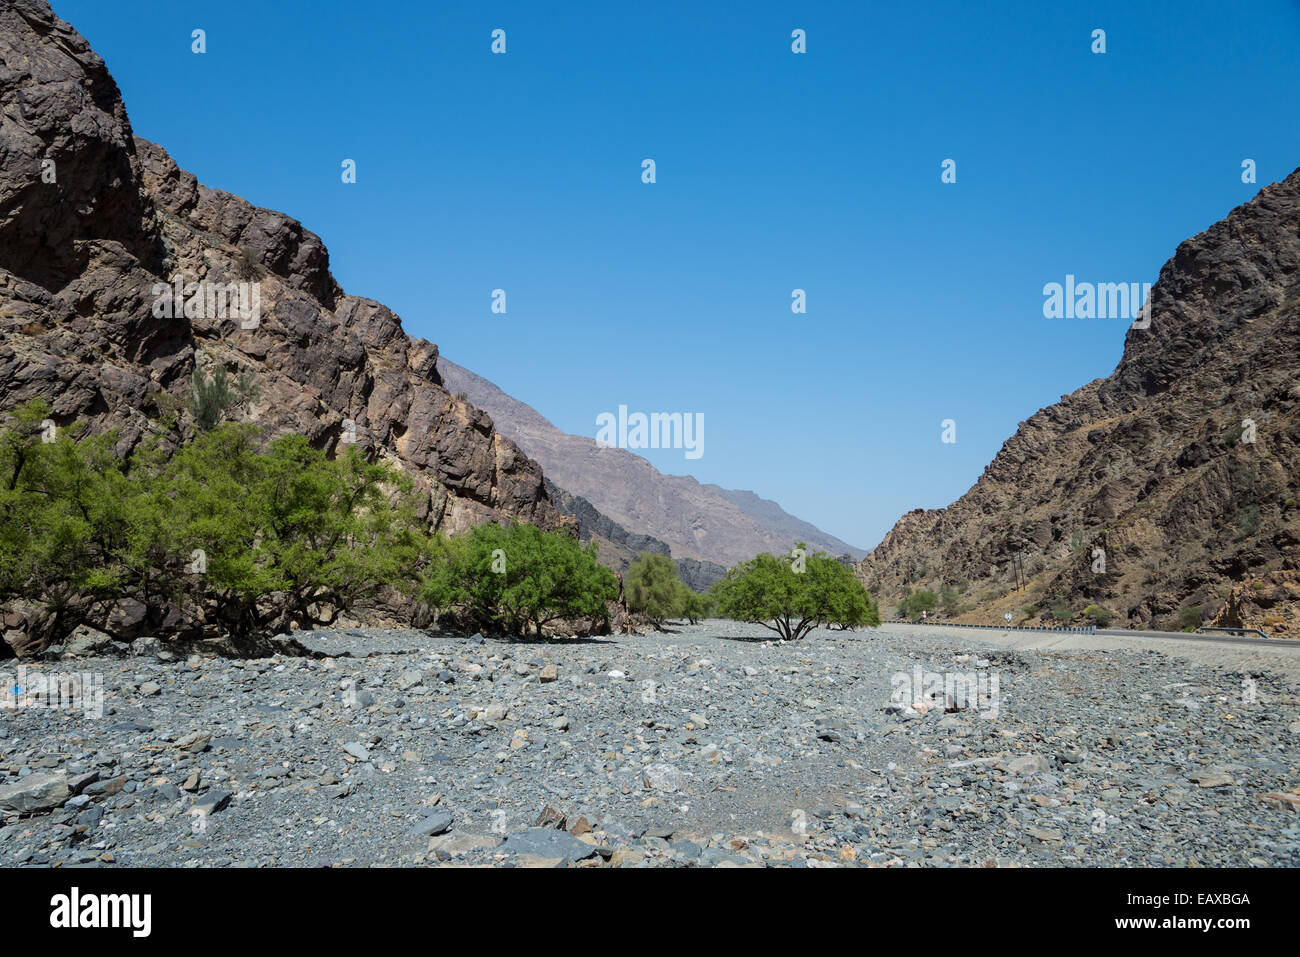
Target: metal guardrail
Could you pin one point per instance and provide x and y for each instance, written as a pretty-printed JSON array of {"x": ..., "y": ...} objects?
[
  {"x": 1072, "y": 630},
  {"x": 1232, "y": 631}
]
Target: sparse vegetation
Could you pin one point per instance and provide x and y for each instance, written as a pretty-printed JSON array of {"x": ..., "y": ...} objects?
[
  {"x": 1101, "y": 617},
  {"x": 1189, "y": 618},
  {"x": 653, "y": 589},
  {"x": 767, "y": 591},
  {"x": 916, "y": 602},
  {"x": 213, "y": 395}
]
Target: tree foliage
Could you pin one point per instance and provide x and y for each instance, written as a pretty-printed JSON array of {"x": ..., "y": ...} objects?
[
  {"x": 916, "y": 602},
  {"x": 769, "y": 591},
  {"x": 518, "y": 577},
  {"x": 223, "y": 535},
  {"x": 653, "y": 588}
]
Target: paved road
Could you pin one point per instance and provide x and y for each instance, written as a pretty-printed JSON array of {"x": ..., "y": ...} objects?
[{"x": 1278, "y": 655}]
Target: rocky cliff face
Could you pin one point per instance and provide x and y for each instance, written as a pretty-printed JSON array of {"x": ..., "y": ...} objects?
[
  {"x": 95, "y": 222},
  {"x": 1179, "y": 469},
  {"x": 706, "y": 522}
]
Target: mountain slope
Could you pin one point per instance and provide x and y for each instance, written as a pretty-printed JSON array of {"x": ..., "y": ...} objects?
[
  {"x": 697, "y": 521},
  {"x": 95, "y": 224},
  {"x": 1152, "y": 468}
]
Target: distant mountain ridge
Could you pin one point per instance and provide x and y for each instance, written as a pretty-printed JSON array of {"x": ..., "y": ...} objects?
[{"x": 704, "y": 522}]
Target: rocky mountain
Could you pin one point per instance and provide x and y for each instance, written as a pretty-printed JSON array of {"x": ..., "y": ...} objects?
[
  {"x": 704, "y": 522},
  {"x": 1166, "y": 492},
  {"x": 618, "y": 547},
  {"x": 97, "y": 226}
]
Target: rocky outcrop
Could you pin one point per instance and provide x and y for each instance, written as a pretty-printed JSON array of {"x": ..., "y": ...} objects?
[
  {"x": 95, "y": 226},
  {"x": 705, "y": 522},
  {"x": 1161, "y": 490}
]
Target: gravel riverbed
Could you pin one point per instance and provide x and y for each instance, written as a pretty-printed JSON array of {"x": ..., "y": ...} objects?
[{"x": 705, "y": 745}]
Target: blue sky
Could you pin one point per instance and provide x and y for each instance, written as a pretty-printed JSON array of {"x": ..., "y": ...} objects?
[{"x": 775, "y": 171}]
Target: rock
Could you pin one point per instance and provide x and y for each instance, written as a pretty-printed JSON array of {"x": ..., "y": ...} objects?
[
  {"x": 79, "y": 782},
  {"x": 548, "y": 674},
  {"x": 547, "y": 844},
  {"x": 85, "y": 641},
  {"x": 1211, "y": 779},
  {"x": 431, "y": 825},
  {"x": 194, "y": 742},
  {"x": 35, "y": 793},
  {"x": 211, "y": 803},
  {"x": 560, "y": 723},
  {"x": 457, "y": 845},
  {"x": 1281, "y": 802},
  {"x": 409, "y": 679},
  {"x": 150, "y": 688},
  {"x": 663, "y": 777},
  {"x": 1028, "y": 764},
  {"x": 627, "y": 857},
  {"x": 550, "y": 817},
  {"x": 357, "y": 750}
]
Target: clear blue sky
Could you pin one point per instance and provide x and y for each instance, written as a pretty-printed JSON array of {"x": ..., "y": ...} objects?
[{"x": 775, "y": 171}]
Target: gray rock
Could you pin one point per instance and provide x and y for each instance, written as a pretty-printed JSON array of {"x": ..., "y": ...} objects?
[
  {"x": 548, "y": 843},
  {"x": 35, "y": 793},
  {"x": 439, "y": 822}
]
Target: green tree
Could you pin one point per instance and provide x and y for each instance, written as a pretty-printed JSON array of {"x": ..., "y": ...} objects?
[
  {"x": 289, "y": 537},
  {"x": 62, "y": 499},
  {"x": 918, "y": 601},
  {"x": 769, "y": 591},
  {"x": 653, "y": 589},
  {"x": 696, "y": 606},
  {"x": 517, "y": 578}
]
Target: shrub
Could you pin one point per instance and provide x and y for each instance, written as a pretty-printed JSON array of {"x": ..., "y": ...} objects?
[
  {"x": 518, "y": 578},
  {"x": 213, "y": 396},
  {"x": 1189, "y": 618},
  {"x": 1248, "y": 520},
  {"x": 767, "y": 591},
  {"x": 1101, "y": 616},
  {"x": 1061, "y": 612},
  {"x": 653, "y": 589}
]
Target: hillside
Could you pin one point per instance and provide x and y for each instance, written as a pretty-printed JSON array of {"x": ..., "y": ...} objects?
[
  {"x": 697, "y": 521},
  {"x": 1180, "y": 468}
]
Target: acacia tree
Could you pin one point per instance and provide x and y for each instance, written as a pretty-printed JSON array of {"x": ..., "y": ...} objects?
[
  {"x": 63, "y": 501},
  {"x": 653, "y": 589},
  {"x": 518, "y": 578},
  {"x": 224, "y": 535},
  {"x": 289, "y": 536},
  {"x": 771, "y": 592}
]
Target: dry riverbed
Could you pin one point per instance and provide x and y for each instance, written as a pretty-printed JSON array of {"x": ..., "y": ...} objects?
[{"x": 704, "y": 746}]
